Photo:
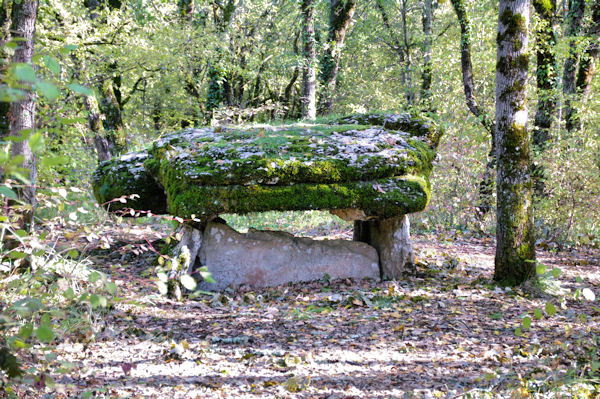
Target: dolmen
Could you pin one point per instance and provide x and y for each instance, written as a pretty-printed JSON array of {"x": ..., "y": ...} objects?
[{"x": 372, "y": 169}]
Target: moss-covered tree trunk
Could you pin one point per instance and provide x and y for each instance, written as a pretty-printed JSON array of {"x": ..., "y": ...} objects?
[
  {"x": 340, "y": 17},
  {"x": 309, "y": 74},
  {"x": 546, "y": 73},
  {"x": 515, "y": 244},
  {"x": 22, "y": 111}
]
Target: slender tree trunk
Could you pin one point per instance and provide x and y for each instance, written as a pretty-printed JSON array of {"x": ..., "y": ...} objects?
[
  {"x": 410, "y": 92},
  {"x": 426, "y": 75},
  {"x": 186, "y": 10},
  {"x": 4, "y": 62},
  {"x": 587, "y": 67},
  {"x": 547, "y": 69},
  {"x": 309, "y": 76},
  {"x": 22, "y": 111},
  {"x": 515, "y": 243},
  {"x": 486, "y": 185},
  {"x": 400, "y": 49},
  {"x": 574, "y": 26},
  {"x": 104, "y": 148},
  {"x": 340, "y": 18}
]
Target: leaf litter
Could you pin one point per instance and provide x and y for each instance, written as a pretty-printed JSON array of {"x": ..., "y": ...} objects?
[{"x": 445, "y": 332}]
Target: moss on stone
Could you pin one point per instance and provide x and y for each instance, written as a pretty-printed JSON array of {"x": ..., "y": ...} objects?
[
  {"x": 125, "y": 176},
  {"x": 381, "y": 199},
  {"x": 383, "y": 171}
]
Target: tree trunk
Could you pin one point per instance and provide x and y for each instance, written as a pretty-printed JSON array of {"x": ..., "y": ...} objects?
[
  {"x": 573, "y": 30},
  {"x": 309, "y": 81},
  {"x": 587, "y": 67},
  {"x": 22, "y": 111},
  {"x": 104, "y": 148},
  {"x": 402, "y": 49},
  {"x": 426, "y": 75},
  {"x": 340, "y": 18},
  {"x": 186, "y": 10},
  {"x": 486, "y": 185},
  {"x": 515, "y": 244},
  {"x": 4, "y": 62},
  {"x": 547, "y": 70}
]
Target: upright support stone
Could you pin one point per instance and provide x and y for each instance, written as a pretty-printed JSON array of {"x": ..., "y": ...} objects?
[
  {"x": 187, "y": 250},
  {"x": 391, "y": 239}
]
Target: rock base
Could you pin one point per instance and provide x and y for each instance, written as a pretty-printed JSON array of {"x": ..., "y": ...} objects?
[
  {"x": 391, "y": 238},
  {"x": 270, "y": 258}
]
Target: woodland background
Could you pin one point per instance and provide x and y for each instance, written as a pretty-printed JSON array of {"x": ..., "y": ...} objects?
[{"x": 110, "y": 76}]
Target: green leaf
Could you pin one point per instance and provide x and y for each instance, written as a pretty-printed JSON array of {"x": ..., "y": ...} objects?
[
  {"x": 518, "y": 332},
  {"x": 77, "y": 88},
  {"x": 162, "y": 277},
  {"x": 19, "y": 343},
  {"x": 555, "y": 272},
  {"x": 111, "y": 288},
  {"x": 496, "y": 316},
  {"x": 44, "y": 333},
  {"x": 162, "y": 287},
  {"x": 69, "y": 293},
  {"x": 36, "y": 142},
  {"x": 70, "y": 47},
  {"x": 550, "y": 309},
  {"x": 207, "y": 277},
  {"x": 188, "y": 282},
  {"x": 24, "y": 72},
  {"x": 526, "y": 323},
  {"x": 52, "y": 65},
  {"x": 540, "y": 269},
  {"x": 537, "y": 313},
  {"x": 48, "y": 90},
  {"x": 21, "y": 233},
  {"x": 93, "y": 277},
  {"x": 25, "y": 331},
  {"x": 8, "y": 193},
  {"x": 17, "y": 255},
  {"x": 45, "y": 320},
  {"x": 73, "y": 253},
  {"x": 98, "y": 300},
  {"x": 53, "y": 161}
]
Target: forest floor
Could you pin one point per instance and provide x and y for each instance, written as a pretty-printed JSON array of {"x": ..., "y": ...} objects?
[{"x": 445, "y": 332}]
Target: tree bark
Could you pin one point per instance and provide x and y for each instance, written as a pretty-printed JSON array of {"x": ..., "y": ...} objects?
[
  {"x": 586, "y": 70},
  {"x": 4, "y": 62},
  {"x": 186, "y": 10},
  {"x": 574, "y": 26},
  {"x": 309, "y": 76},
  {"x": 104, "y": 147},
  {"x": 22, "y": 111},
  {"x": 515, "y": 244},
  {"x": 547, "y": 69},
  {"x": 486, "y": 185},
  {"x": 427, "y": 74},
  {"x": 340, "y": 18}
]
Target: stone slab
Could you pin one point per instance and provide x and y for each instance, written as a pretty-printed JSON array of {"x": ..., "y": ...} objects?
[{"x": 270, "y": 258}]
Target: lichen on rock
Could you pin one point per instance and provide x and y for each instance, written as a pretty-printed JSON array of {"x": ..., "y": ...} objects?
[
  {"x": 380, "y": 166},
  {"x": 125, "y": 176}
]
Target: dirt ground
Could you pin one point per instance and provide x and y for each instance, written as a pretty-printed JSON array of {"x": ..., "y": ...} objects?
[{"x": 445, "y": 332}]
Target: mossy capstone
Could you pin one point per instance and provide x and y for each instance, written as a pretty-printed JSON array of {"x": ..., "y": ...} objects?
[{"x": 378, "y": 163}]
